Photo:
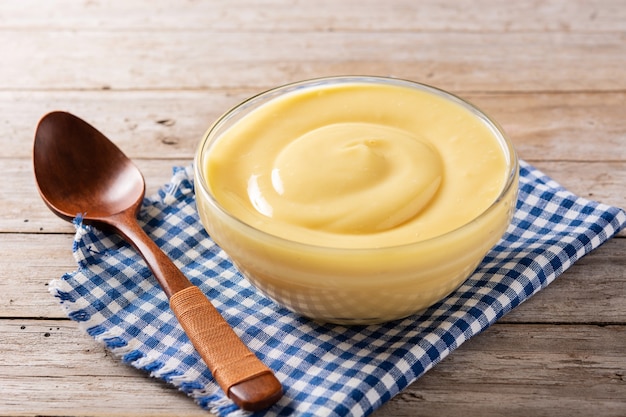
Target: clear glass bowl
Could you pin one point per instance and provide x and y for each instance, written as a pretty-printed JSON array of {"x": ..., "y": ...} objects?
[{"x": 353, "y": 286}]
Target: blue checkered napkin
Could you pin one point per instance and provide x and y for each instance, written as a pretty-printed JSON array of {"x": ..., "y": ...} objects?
[{"x": 326, "y": 369}]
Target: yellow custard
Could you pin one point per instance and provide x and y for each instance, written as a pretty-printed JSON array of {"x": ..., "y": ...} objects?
[
  {"x": 355, "y": 200},
  {"x": 357, "y": 165}
]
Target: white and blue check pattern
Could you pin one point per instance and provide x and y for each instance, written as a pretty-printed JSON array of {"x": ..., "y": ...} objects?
[{"x": 326, "y": 370}]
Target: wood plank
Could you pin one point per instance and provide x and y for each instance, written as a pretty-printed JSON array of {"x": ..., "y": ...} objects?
[
  {"x": 46, "y": 363},
  {"x": 159, "y": 125},
  {"x": 169, "y": 124},
  {"x": 25, "y": 212},
  {"x": 553, "y": 127},
  {"x": 591, "y": 291},
  {"x": 515, "y": 370},
  {"x": 525, "y": 370},
  {"x": 185, "y": 60},
  {"x": 27, "y": 264},
  {"x": 598, "y": 181},
  {"x": 321, "y": 15}
]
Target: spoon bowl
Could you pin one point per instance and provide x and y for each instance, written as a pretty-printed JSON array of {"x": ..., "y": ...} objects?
[{"x": 81, "y": 173}]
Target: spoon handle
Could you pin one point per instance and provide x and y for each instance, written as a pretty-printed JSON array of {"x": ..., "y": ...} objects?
[
  {"x": 245, "y": 379},
  {"x": 240, "y": 374}
]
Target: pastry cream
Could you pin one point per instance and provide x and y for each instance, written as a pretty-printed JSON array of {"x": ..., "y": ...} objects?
[
  {"x": 357, "y": 165},
  {"x": 355, "y": 199}
]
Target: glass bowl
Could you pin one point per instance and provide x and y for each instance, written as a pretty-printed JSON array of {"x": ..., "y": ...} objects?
[{"x": 370, "y": 282}]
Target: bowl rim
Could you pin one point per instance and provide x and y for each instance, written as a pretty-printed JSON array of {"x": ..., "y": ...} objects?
[{"x": 201, "y": 185}]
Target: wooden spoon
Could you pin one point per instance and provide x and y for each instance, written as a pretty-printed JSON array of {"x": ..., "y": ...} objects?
[{"x": 80, "y": 172}]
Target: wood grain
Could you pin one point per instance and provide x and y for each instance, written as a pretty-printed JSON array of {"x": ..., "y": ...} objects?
[
  {"x": 592, "y": 291},
  {"x": 185, "y": 60},
  {"x": 322, "y": 15},
  {"x": 584, "y": 374},
  {"x": 170, "y": 124},
  {"x": 62, "y": 359},
  {"x": 154, "y": 74}
]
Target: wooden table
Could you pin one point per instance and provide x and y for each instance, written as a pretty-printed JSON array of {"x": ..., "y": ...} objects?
[{"x": 154, "y": 74}]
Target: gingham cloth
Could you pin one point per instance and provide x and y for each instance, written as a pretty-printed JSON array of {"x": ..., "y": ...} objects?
[{"x": 326, "y": 370}]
